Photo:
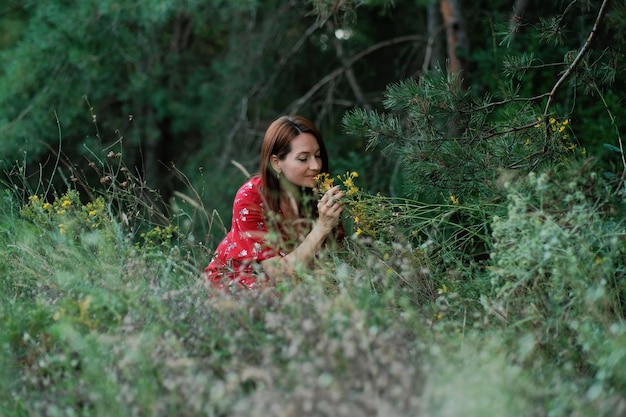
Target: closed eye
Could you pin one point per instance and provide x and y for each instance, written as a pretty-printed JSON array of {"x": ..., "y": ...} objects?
[{"x": 305, "y": 158}]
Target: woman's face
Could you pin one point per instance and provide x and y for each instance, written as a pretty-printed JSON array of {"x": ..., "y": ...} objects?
[{"x": 303, "y": 163}]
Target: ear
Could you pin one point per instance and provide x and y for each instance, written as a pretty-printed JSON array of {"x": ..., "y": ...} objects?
[{"x": 275, "y": 163}]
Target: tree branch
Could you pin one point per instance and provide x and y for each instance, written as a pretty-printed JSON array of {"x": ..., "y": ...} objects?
[
  {"x": 286, "y": 58},
  {"x": 354, "y": 84},
  {"x": 509, "y": 100},
  {"x": 579, "y": 57},
  {"x": 401, "y": 39}
]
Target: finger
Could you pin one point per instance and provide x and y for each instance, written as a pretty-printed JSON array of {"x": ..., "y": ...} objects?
[
  {"x": 328, "y": 211},
  {"x": 323, "y": 208},
  {"x": 334, "y": 210},
  {"x": 331, "y": 191},
  {"x": 335, "y": 197}
]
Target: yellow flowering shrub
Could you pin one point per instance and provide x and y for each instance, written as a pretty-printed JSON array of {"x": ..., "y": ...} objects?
[
  {"x": 67, "y": 214},
  {"x": 559, "y": 129}
]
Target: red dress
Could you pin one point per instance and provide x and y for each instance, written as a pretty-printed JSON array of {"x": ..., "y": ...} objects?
[{"x": 237, "y": 258}]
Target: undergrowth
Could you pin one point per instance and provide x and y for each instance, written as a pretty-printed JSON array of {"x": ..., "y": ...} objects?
[{"x": 513, "y": 306}]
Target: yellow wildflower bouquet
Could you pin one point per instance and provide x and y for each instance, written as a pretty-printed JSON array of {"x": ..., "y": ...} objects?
[
  {"x": 357, "y": 202},
  {"x": 325, "y": 182},
  {"x": 386, "y": 218}
]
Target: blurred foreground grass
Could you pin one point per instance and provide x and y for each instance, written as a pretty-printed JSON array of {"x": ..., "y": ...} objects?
[{"x": 96, "y": 322}]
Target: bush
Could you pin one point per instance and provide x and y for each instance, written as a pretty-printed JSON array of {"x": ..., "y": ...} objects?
[{"x": 558, "y": 275}]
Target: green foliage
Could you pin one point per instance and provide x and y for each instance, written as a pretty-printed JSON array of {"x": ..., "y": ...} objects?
[
  {"x": 553, "y": 287},
  {"x": 381, "y": 325},
  {"x": 131, "y": 331},
  {"x": 452, "y": 144},
  {"x": 151, "y": 71},
  {"x": 503, "y": 262},
  {"x": 558, "y": 272}
]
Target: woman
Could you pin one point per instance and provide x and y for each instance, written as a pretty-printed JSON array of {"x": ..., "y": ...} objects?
[{"x": 273, "y": 229}]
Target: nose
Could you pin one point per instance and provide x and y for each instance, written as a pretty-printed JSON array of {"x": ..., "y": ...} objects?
[{"x": 315, "y": 164}]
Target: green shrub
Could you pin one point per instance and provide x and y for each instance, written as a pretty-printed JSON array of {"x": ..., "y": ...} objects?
[{"x": 558, "y": 274}]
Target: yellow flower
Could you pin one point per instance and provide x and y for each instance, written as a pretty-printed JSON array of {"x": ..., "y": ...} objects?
[
  {"x": 60, "y": 211},
  {"x": 324, "y": 182},
  {"x": 552, "y": 120},
  {"x": 46, "y": 206},
  {"x": 66, "y": 203},
  {"x": 61, "y": 228},
  {"x": 359, "y": 231},
  {"x": 356, "y": 219},
  {"x": 348, "y": 182},
  {"x": 92, "y": 212},
  {"x": 454, "y": 200},
  {"x": 351, "y": 188},
  {"x": 443, "y": 289},
  {"x": 33, "y": 197}
]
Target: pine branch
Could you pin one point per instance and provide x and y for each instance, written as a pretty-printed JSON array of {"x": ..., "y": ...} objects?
[{"x": 585, "y": 48}]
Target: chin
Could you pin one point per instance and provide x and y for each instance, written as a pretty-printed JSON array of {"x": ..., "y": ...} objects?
[{"x": 309, "y": 184}]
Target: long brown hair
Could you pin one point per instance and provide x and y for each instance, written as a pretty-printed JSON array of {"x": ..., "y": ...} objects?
[{"x": 277, "y": 141}]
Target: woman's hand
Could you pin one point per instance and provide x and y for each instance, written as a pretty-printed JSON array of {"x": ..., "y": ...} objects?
[{"x": 329, "y": 209}]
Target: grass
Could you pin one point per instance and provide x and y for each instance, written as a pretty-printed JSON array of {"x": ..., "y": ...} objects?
[{"x": 102, "y": 317}]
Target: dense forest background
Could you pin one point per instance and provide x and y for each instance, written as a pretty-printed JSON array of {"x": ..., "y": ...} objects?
[{"x": 187, "y": 87}]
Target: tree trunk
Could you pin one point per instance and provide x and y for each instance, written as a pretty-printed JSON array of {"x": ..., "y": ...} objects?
[
  {"x": 456, "y": 35},
  {"x": 434, "y": 55}
]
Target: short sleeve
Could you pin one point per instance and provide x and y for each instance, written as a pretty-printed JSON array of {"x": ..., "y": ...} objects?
[
  {"x": 249, "y": 227},
  {"x": 246, "y": 244}
]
